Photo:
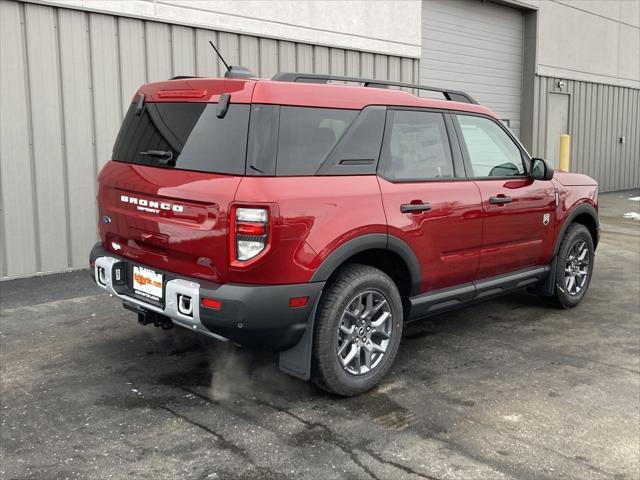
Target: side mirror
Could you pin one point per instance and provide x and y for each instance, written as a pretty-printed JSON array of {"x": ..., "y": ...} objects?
[{"x": 540, "y": 169}]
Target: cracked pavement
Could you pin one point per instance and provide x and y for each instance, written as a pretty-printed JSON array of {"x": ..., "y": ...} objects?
[{"x": 507, "y": 389}]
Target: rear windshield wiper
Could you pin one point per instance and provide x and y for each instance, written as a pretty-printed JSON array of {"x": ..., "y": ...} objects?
[{"x": 165, "y": 156}]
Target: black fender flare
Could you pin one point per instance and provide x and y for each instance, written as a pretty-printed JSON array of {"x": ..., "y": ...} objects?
[
  {"x": 579, "y": 210},
  {"x": 367, "y": 242},
  {"x": 548, "y": 285}
]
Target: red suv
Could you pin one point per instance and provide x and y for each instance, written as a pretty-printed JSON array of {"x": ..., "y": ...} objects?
[{"x": 316, "y": 218}]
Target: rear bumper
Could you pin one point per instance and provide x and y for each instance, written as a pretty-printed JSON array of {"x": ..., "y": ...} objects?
[{"x": 257, "y": 316}]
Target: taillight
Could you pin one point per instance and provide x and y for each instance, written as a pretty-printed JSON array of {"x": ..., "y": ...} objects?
[
  {"x": 247, "y": 229},
  {"x": 211, "y": 303},
  {"x": 297, "y": 302},
  {"x": 251, "y": 232}
]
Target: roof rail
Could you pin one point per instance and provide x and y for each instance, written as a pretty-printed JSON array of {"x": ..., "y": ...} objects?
[{"x": 451, "y": 95}]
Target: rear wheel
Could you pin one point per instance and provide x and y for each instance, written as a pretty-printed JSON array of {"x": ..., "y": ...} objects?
[
  {"x": 358, "y": 330},
  {"x": 575, "y": 266}
]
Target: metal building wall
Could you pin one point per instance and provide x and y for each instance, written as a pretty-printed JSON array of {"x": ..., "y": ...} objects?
[
  {"x": 66, "y": 79},
  {"x": 476, "y": 47},
  {"x": 598, "y": 116}
]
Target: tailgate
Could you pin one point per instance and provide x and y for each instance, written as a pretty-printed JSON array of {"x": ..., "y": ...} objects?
[
  {"x": 176, "y": 165},
  {"x": 173, "y": 220}
]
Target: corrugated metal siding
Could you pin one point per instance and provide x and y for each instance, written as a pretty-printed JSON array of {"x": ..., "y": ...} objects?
[
  {"x": 598, "y": 116},
  {"x": 475, "y": 47},
  {"x": 68, "y": 76}
]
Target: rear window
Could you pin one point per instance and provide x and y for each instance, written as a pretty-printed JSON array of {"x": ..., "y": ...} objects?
[{"x": 187, "y": 134}]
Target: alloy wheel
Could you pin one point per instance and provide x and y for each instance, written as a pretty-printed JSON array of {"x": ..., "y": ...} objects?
[
  {"x": 576, "y": 270},
  {"x": 364, "y": 332}
]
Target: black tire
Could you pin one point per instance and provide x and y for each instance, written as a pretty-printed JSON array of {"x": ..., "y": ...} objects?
[
  {"x": 573, "y": 237},
  {"x": 354, "y": 281}
]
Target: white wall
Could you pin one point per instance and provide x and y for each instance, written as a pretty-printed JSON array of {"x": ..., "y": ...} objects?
[
  {"x": 383, "y": 26},
  {"x": 597, "y": 41},
  {"x": 589, "y": 40}
]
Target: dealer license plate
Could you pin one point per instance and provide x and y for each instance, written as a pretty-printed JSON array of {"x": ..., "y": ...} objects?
[{"x": 147, "y": 283}]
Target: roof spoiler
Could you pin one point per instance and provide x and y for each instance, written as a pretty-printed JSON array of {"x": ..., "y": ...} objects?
[
  {"x": 233, "y": 72},
  {"x": 451, "y": 95}
]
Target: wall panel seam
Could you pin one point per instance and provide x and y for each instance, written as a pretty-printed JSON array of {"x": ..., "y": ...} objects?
[
  {"x": 3, "y": 238},
  {"x": 145, "y": 29},
  {"x": 119, "y": 62},
  {"x": 195, "y": 51},
  {"x": 32, "y": 159},
  {"x": 63, "y": 137},
  {"x": 92, "y": 107}
]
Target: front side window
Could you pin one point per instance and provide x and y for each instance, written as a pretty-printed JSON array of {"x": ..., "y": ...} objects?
[
  {"x": 492, "y": 153},
  {"x": 416, "y": 146}
]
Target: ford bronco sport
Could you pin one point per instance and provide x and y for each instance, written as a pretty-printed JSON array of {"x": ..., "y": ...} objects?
[{"x": 316, "y": 218}]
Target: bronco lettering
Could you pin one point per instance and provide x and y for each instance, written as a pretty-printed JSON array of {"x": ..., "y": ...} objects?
[{"x": 150, "y": 205}]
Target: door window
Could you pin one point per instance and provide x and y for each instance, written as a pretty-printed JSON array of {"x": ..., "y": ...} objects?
[
  {"x": 416, "y": 146},
  {"x": 492, "y": 153}
]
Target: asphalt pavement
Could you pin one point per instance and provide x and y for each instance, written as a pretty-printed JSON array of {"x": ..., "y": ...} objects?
[{"x": 507, "y": 389}]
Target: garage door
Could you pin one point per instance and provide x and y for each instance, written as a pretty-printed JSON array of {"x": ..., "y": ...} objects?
[{"x": 475, "y": 46}]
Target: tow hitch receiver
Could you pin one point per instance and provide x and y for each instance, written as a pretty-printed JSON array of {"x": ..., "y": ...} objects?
[{"x": 145, "y": 317}]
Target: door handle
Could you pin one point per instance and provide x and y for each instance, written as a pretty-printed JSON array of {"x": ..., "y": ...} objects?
[
  {"x": 415, "y": 207},
  {"x": 500, "y": 199}
]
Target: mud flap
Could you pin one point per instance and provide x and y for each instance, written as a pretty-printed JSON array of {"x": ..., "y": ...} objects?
[
  {"x": 297, "y": 360},
  {"x": 547, "y": 286}
]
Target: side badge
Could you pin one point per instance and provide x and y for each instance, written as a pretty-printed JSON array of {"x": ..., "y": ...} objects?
[
  {"x": 545, "y": 219},
  {"x": 106, "y": 220}
]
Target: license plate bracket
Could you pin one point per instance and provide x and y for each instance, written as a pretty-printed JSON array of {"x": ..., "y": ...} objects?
[{"x": 148, "y": 283}]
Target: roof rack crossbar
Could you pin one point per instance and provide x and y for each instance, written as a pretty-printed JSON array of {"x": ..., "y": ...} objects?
[{"x": 451, "y": 95}]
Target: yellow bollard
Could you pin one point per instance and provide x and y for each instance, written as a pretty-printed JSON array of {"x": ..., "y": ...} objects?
[{"x": 565, "y": 152}]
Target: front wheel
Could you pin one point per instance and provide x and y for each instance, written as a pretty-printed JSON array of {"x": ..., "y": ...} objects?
[
  {"x": 575, "y": 266},
  {"x": 357, "y": 332}
]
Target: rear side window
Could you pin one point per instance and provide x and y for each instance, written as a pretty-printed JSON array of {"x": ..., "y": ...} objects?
[
  {"x": 307, "y": 135},
  {"x": 187, "y": 134},
  {"x": 288, "y": 141},
  {"x": 358, "y": 150},
  {"x": 416, "y": 146}
]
